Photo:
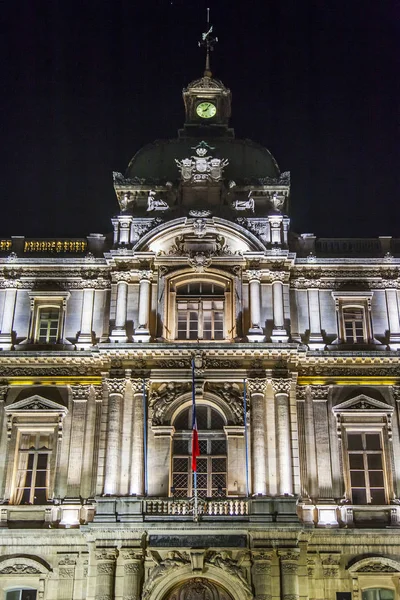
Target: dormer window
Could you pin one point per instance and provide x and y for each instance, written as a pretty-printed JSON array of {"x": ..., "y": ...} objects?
[{"x": 353, "y": 311}]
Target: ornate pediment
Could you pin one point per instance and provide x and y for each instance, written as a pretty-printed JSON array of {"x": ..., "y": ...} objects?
[
  {"x": 36, "y": 403},
  {"x": 363, "y": 403},
  {"x": 375, "y": 565}
]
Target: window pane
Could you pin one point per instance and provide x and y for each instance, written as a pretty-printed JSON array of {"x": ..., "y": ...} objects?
[
  {"x": 357, "y": 478},
  {"x": 40, "y": 496},
  {"x": 373, "y": 441},
  {"x": 201, "y": 415},
  {"x": 201, "y": 465},
  {"x": 359, "y": 496},
  {"x": 181, "y": 447},
  {"x": 374, "y": 461},
  {"x": 219, "y": 465},
  {"x": 13, "y": 595},
  {"x": 218, "y": 447},
  {"x": 378, "y": 496},
  {"x": 354, "y": 441},
  {"x": 376, "y": 479},
  {"x": 28, "y": 595},
  {"x": 356, "y": 461}
]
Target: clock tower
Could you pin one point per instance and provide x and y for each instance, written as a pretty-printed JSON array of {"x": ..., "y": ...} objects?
[{"x": 207, "y": 101}]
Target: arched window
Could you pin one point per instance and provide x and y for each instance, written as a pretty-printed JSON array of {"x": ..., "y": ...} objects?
[
  {"x": 199, "y": 307},
  {"x": 377, "y": 594},
  {"x": 212, "y": 462}
]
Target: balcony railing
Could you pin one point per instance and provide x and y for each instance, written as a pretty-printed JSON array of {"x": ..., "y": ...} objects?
[{"x": 210, "y": 507}]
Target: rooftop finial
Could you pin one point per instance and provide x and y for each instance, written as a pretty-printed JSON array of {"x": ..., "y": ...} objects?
[{"x": 208, "y": 42}]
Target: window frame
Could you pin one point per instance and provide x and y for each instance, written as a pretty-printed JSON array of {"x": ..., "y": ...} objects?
[
  {"x": 34, "y": 415},
  {"x": 363, "y": 430},
  {"x": 209, "y": 435},
  {"x": 363, "y": 414},
  {"x": 345, "y": 301},
  {"x": 174, "y": 282},
  {"x": 41, "y": 301}
]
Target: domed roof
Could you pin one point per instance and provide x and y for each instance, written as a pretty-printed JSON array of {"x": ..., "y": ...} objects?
[{"x": 248, "y": 162}]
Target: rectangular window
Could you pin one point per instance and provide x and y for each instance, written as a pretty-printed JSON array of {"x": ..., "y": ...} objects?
[
  {"x": 201, "y": 319},
  {"x": 366, "y": 468},
  {"x": 354, "y": 324},
  {"x": 33, "y": 470},
  {"x": 211, "y": 470},
  {"x": 343, "y": 595},
  {"x": 48, "y": 325}
]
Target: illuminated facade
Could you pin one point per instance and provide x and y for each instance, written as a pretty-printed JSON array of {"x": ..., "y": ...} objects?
[{"x": 298, "y": 495}]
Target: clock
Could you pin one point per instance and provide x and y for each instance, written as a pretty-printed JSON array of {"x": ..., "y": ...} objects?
[{"x": 206, "y": 110}]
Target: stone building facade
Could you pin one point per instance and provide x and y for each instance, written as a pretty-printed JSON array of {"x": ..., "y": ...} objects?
[{"x": 294, "y": 341}]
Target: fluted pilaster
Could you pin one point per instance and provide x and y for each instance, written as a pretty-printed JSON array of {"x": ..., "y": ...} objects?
[{"x": 257, "y": 388}]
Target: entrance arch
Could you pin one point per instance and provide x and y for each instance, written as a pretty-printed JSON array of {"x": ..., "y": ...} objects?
[{"x": 198, "y": 588}]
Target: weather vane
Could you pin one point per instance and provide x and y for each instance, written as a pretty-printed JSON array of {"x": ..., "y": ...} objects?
[{"x": 207, "y": 41}]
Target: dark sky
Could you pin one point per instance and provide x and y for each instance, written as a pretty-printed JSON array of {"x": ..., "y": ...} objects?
[{"x": 86, "y": 84}]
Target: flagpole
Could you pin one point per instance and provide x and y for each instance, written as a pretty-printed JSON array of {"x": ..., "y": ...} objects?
[
  {"x": 245, "y": 434},
  {"x": 195, "y": 449}
]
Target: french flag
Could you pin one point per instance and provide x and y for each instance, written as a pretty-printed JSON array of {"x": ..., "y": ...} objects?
[{"x": 195, "y": 433}]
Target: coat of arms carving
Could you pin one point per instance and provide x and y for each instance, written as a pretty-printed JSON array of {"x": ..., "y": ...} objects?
[{"x": 201, "y": 167}]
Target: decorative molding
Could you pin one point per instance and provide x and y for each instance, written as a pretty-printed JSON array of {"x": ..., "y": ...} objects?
[
  {"x": 161, "y": 398},
  {"x": 20, "y": 569}
]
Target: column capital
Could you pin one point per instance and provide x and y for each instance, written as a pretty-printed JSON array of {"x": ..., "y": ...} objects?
[
  {"x": 289, "y": 558},
  {"x": 257, "y": 385},
  {"x": 115, "y": 386},
  {"x": 146, "y": 275},
  {"x": 319, "y": 393},
  {"x": 80, "y": 393},
  {"x": 281, "y": 386},
  {"x": 301, "y": 393},
  {"x": 106, "y": 554},
  {"x": 137, "y": 385},
  {"x": 131, "y": 554},
  {"x": 254, "y": 274}
]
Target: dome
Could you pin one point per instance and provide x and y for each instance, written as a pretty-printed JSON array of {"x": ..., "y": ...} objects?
[{"x": 248, "y": 162}]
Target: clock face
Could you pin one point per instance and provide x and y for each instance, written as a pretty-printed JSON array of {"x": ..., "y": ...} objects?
[{"x": 206, "y": 110}]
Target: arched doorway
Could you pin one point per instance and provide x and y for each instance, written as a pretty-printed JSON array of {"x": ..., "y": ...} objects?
[{"x": 198, "y": 588}]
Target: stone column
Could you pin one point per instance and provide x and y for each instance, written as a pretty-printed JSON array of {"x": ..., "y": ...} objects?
[
  {"x": 105, "y": 577},
  {"x": 10, "y": 296},
  {"x": 3, "y": 440},
  {"x": 393, "y": 317},
  {"x": 142, "y": 333},
  {"x": 137, "y": 454},
  {"x": 80, "y": 395},
  {"x": 315, "y": 339},
  {"x": 289, "y": 562},
  {"x": 255, "y": 333},
  {"x": 85, "y": 334},
  {"x": 284, "y": 447},
  {"x": 257, "y": 388},
  {"x": 261, "y": 572},
  {"x": 319, "y": 395},
  {"x": 118, "y": 334},
  {"x": 133, "y": 572},
  {"x": 116, "y": 389},
  {"x": 279, "y": 333}
]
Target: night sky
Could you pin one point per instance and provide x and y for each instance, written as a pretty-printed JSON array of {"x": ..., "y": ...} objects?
[{"x": 86, "y": 84}]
